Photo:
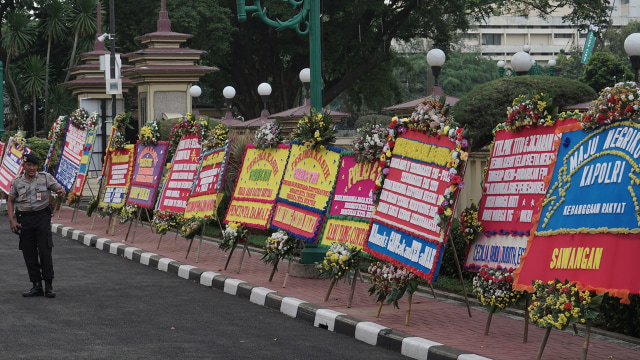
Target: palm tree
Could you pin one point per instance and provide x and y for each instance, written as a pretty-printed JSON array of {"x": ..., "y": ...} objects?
[
  {"x": 34, "y": 74},
  {"x": 55, "y": 28},
  {"x": 18, "y": 34},
  {"x": 83, "y": 22},
  {"x": 62, "y": 101}
]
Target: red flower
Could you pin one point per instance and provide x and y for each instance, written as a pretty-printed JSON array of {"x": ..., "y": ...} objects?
[
  {"x": 567, "y": 306},
  {"x": 456, "y": 179},
  {"x": 509, "y": 279},
  {"x": 629, "y": 109}
]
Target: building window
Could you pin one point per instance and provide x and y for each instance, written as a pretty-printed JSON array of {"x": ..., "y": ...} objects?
[
  {"x": 563, "y": 36},
  {"x": 491, "y": 39}
]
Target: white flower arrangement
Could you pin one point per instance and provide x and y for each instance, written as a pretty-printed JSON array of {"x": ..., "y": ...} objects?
[{"x": 269, "y": 135}]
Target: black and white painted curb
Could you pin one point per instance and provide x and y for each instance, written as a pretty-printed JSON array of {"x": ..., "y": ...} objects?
[{"x": 368, "y": 332}]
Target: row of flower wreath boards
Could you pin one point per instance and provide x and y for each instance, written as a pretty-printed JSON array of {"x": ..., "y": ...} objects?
[
  {"x": 404, "y": 152},
  {"x": 316, "y": 132},
  {"x": 576, "y": 244}
]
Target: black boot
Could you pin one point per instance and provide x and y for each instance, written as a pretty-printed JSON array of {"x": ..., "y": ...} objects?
[
  {"x": 36, "y": 290},
  {"x": 48, "y": 289}
]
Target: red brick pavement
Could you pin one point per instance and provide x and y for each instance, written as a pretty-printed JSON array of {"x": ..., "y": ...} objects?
[{"x": 444, "y": 322}]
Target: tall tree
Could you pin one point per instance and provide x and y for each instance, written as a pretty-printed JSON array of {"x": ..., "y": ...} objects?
[
  {"x": 605, "y": 70},
  {"x": 55, "y": 28},
  {"x": 19, "y": 32},
  {"x": 34, "y": 74},
  {"x": 83, "y": 22},
  {"x": 357, "y": 36},
  {"x": 569, "y": 65},
  {"x": 463, "y": 71},
  {"x": 614, "y": 39}
]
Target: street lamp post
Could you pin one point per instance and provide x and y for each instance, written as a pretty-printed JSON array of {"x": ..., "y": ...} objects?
[
  {"x": 521, "y": 63},
  {"x": 229, "y": 93},
  {"x": 195, "y": 91},
  {"x": 501, "y": 65},
  {"x": 305, "y": 78},
  {"x": 264, "y": 90},
  {"x": 632, "y": 48},
  {"x": 435, "y": 59},
  {"x": 112, "y": 62},
  {"x": 552, "y": 67},
  {"x": 309, "y": 19}
]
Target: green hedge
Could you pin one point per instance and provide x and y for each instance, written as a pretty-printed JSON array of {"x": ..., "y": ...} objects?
[{"x": 486, "y": 105}]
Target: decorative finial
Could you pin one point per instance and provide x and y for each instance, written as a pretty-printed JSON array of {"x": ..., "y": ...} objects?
[{"x": 164, "y": 24}]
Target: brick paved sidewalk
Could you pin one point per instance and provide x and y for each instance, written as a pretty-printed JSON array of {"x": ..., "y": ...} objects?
[{"x": 441, "y": 321}]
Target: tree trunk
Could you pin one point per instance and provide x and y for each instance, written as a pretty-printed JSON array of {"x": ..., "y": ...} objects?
[
  {"x": 46, "y": 85},
  {"x": 34, "y": 99},
  {"x": 73, "y": 55},
  {"x": 16, "y": 98}
]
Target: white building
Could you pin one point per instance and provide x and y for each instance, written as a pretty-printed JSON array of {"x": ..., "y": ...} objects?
[{"x": 502, "y": 36}]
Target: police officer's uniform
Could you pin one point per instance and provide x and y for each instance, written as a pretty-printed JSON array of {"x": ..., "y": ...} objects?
[{"x": 33, "y": 213}]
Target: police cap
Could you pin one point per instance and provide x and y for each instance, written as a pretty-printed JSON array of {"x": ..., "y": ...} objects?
[{"x": 31, "y": 158}]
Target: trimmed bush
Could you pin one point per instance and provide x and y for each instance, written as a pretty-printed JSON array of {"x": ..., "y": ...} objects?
[{"x": 486, "y": 106}]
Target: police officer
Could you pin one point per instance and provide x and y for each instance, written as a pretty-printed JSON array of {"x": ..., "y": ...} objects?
[{"x": 30, "y": 193}]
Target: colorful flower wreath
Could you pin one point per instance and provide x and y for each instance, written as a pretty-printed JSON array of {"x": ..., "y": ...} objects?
[
  {"x": 613, "y": 104},
  {"x": 442, "y": 127},
  {"x": 469, "y": 224},
  {"x": 232, "y": 234},
  {"x": 120, "y": 124},
  {"x": 391, "y": 282},
  {"x": 92, "y": 206},
  {"x": 559, "y": 304},
  {"x": 369, "y": 143},
  {"x": 73, "y": 198},
  {"x": 193, "y": 226},
  {"x": 278, "y": 246},
  {"x": 164, "y": 220},
  {"x": 19, "y": 139},
  {"x": 57, "y": 129},
  {"x": 149, "y": 134},
  {"x": 187, "y": 126},
  {"x": 431, "y": 115},
  {"x": 106, "y": 211},
  {"x": 494, "y": 288},
  {"x": 269, "y": 135},
  {"x": 316, "y": 130},
  {"x": 127, "y": 213},
  {"x": 530, "y": 110},
  {"x": 341, "y": 260},
  {"x": 81, "y": 119},
  {"x": 217, "y": 137}
]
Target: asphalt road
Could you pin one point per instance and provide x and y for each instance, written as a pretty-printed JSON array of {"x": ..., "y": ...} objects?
[{"x": 109, "y": 307}]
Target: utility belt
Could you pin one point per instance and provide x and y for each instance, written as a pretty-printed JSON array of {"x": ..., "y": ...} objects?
[{"x": 23, "y": 214}]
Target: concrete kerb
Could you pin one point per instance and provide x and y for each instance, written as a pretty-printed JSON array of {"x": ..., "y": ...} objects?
[{"x": 368, "y": 332}]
